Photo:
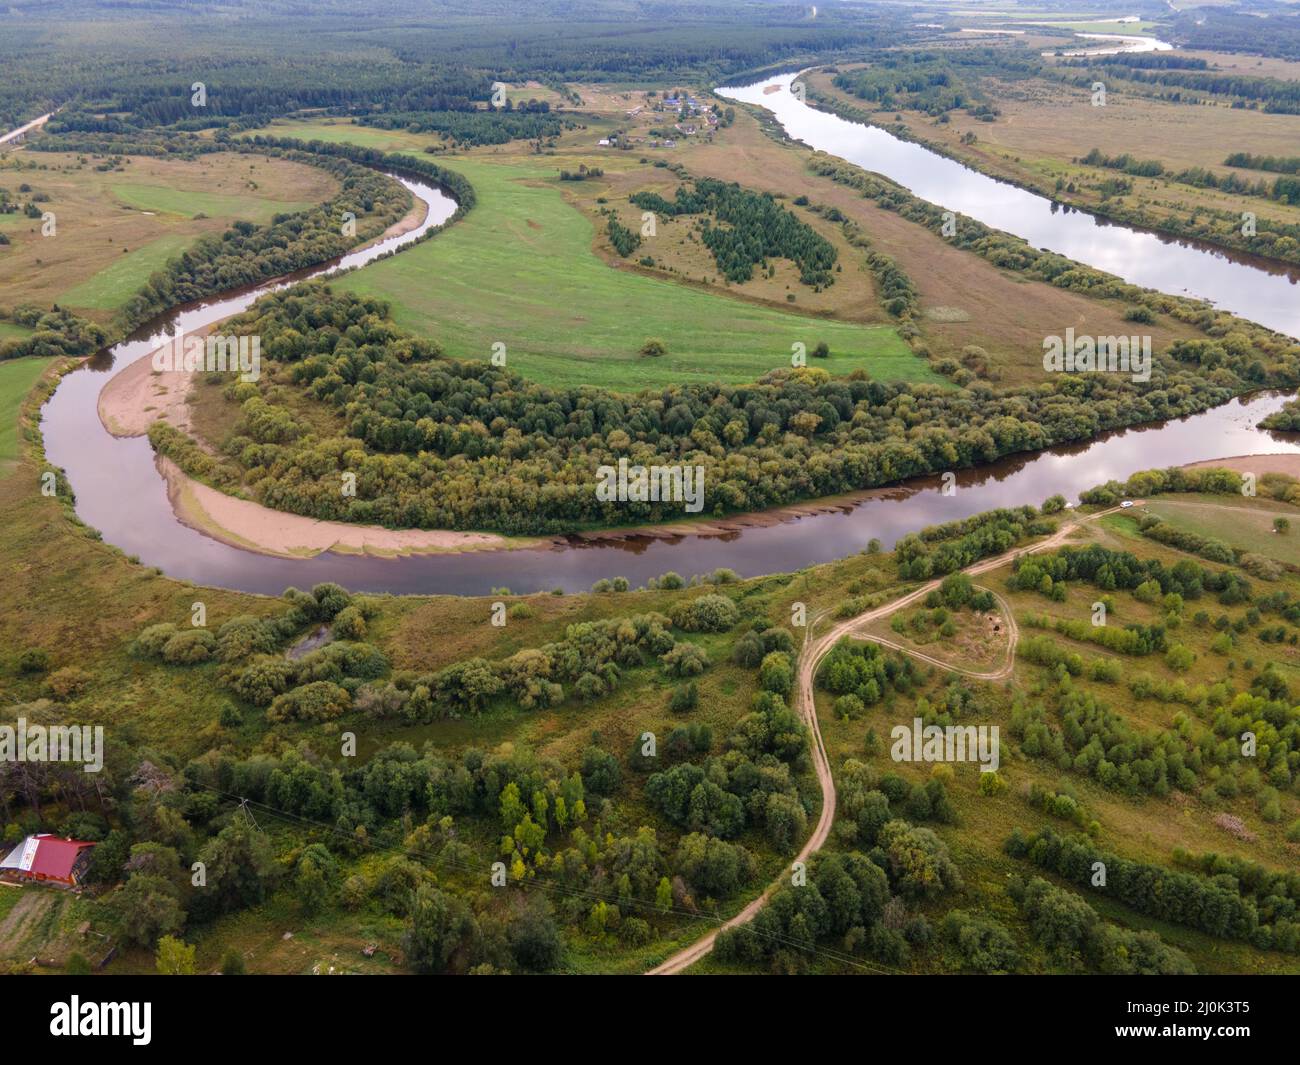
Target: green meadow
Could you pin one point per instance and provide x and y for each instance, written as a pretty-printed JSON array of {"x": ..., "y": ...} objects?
[
  {"x": 519, "y": 269},
  {"x": 342, "y": 132},
  {"x": 17, "y": 376},
  {"x": 189, "y": 204},
  {"x": 112, "y": 286}
]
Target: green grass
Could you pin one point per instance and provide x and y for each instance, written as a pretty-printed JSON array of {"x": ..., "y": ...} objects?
[
  {"x": 520, "y": 269},
  {"x": 112, "y": 286},
  {"x": 1242, "y": 523},
  {"x": 17, "y": 376},
  {"x": 188, "y": 203},
  {"x": 346, "y": 133},
  {"x": 13, "y": 331}
]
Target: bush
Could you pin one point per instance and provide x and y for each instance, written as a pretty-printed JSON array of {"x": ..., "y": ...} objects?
[
  {"x": 321, "y": 700},
  {"x": 350, "y": 624},
  {"x": 708, "y": 613},
  {"x": 33, "y": 660},
  {"x": 685, "y": 698},
  {"x": 685, "y": 660},
  {"x": 776, "y": 674},
  {"x": 68, "y": 682},
  {"x": 189, "y": 647},
  {"x": 984, "y": 944}
]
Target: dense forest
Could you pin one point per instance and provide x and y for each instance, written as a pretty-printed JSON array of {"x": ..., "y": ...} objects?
[
  {"x": 756, "y": 229},
  {"x": 1227, "y": 30},
  {"x": 432, "y": 56},
  {"x": 933, "y": 82}
]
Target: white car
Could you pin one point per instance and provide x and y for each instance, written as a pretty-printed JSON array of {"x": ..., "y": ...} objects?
[{"x": 1127, "y": 503}]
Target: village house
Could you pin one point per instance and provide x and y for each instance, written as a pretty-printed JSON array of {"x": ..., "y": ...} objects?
[{"x": 46, "y": 858}]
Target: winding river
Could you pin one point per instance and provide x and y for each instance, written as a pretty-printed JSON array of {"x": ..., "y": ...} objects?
[{"x": 120, "y": 492}]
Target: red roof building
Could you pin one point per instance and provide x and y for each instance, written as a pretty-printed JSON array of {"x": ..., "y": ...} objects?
[{"x": 46, "y": 857}]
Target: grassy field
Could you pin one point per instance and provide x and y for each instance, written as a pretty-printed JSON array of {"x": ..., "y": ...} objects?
[
  {"x": 519, "y": 269},
  {"x": 188, "y": 203},
  {"x": 16, "y": 379},
  {"x": 113, "y": 228},
  {"x": 1045, "y": 127},
  {"x": 1243, "y": 523},
  {"x": 112, "y": 286},
  {"x": 334, "y": 131},
  {"x": 965, "y": 300}
]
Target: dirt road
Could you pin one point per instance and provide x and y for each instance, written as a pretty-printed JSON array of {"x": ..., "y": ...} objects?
[{"x": 810, "y": 657}]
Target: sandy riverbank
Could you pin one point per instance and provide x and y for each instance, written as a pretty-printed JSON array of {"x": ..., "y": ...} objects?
[
  {"x": 1256, "y": 464},
  {"x": 243, "y": 523},
  {"x": 140, "y": 395}
]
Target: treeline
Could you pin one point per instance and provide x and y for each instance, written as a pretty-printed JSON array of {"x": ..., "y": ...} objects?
[
  {"x": 1284, "y": 189},
  {"x": 54, "y": 332},
  {"x": 1074, "y": 934},
  {"x": 960, "y": 543},
  {"x": 266, "y": 63},
  {"x": 1216, "y": 906},
  {"x": 476, "y": 127},
  {"x": 625, "y": 241},
  {"x": 1142, "y": 61},
  {"x": 757, "y": 229},
  {"x": 1278, "y": 164},
  {"x": 1271, "y": 95},
  {"x": 1233, "y": 30}
]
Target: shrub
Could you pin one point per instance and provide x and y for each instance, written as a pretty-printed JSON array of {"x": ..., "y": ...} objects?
[
  {"x": 708, "y": 613},
  {"x": 34, "y": 660},
  {"x": 685, "y": 660},
  {"x": 685, "y": 697},
  {"x": 189, "y": 647},
  {"x": 319, "y": 701},
  {"x": 68, "y": 682},
  {"x": 350, "y": 624},
  {"x": 776, "y": 674}
]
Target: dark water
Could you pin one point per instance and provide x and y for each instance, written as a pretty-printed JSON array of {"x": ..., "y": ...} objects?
[
  {"x": 120, "y": 492},
  {"x": 1261, "y": 291}
]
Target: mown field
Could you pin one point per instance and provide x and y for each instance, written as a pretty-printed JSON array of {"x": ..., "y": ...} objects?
[
  {"x": 17, "y": 376},
  {"x": 520, "y": 270}
]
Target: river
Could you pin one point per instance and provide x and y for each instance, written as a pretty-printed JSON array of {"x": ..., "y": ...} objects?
[{"x": 120, "y": 492}]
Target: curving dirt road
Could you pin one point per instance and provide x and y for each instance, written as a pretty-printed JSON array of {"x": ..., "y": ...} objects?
[{"x": 810, "y": 657}]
